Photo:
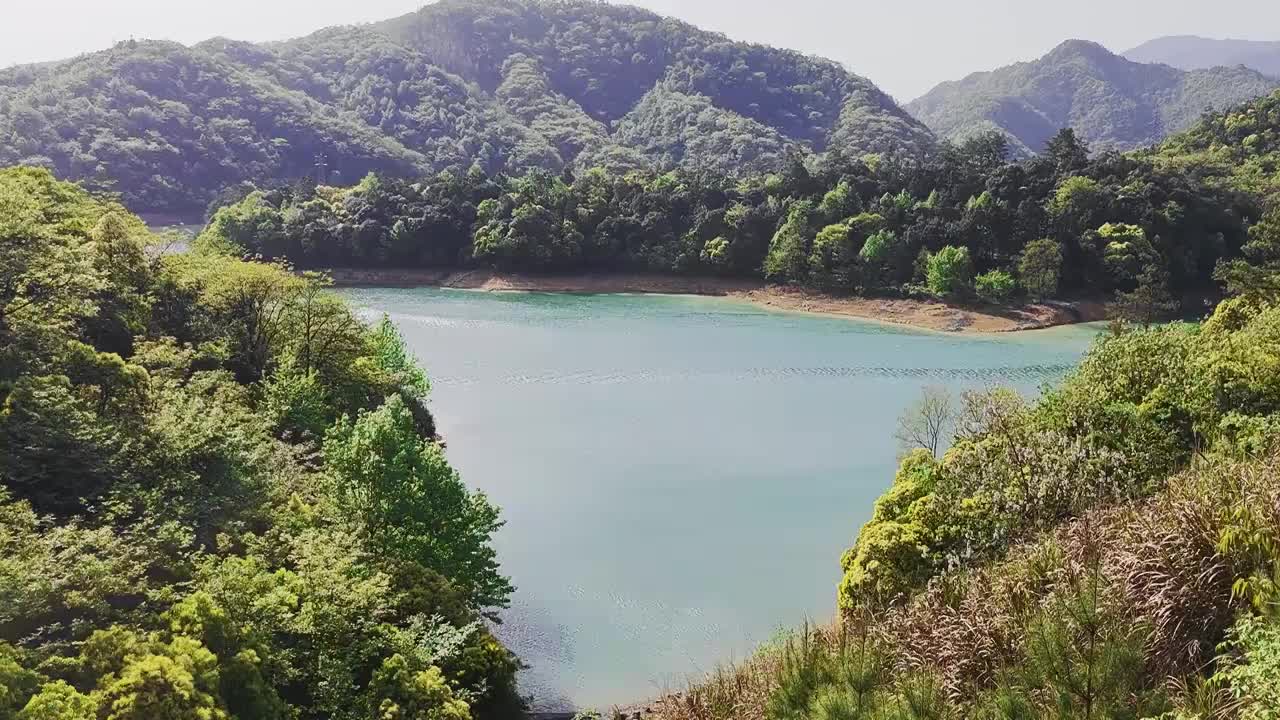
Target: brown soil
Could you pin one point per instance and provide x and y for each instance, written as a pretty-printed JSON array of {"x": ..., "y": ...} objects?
[{"x": 926, "y": 314}]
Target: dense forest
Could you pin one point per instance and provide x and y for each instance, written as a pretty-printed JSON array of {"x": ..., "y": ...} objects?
[
  {"x": 964, "y": 223},
  {"x": 1110, "y": 102},
  {"x": 503, "y": 85},
  {"x": 221, "y": 493},
  {"x": 1110, "y": 551}
]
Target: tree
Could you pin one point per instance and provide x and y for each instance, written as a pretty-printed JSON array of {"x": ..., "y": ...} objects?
[
  {"x": 401, "y": 693},
  {"x": 394, "y": 358},
  {"x": 178, "y": 686},
  {"x": 59, "y": 701},
  {"x": 832, "y": 258},
  {"x": 950, "y": 271},
  {"x": 1150, "y": 301},
  {"x": 878, "y": 254},
  {"x": 789, "y": 252},
  {"x": 927, "y": 423},
  {"x": 1084, "y": 657},
  {"x": 996, "y": 286},
  {"x": 1076, "y": 201},
  {"x": 1257, "y": 274},
  {"x": 1040, "y": 267},
  {"x": 1067, "y": 151},
  {"x": 413, "y": 503}
]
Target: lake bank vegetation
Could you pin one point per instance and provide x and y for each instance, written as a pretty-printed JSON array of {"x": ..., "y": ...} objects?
[
  {"x": 1145, "y": 231},
  {"x": 221, "y": 493}
]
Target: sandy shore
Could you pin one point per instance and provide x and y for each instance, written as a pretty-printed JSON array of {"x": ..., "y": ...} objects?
[{"x": 924, "y": 314}]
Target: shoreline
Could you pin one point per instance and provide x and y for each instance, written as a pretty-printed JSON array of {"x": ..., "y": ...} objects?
[{"x": 921, "y": 314}]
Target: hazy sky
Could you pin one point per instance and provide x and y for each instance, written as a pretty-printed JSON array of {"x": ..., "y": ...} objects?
[{"x": 905, "y": 46}]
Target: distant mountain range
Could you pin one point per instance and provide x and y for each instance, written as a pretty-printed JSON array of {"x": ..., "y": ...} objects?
[
  {"x": 1111, "y": 101},
  {"x": 505, "y": 85},
  {"x": 1190, "y": 52}
]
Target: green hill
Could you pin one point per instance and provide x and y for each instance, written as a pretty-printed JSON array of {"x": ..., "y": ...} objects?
[
  {"x": 1109, "y": 101},
  {"x": 508, "y": 85}
]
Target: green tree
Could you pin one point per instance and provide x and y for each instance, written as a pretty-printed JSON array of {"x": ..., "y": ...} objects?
[
  {"x": 413, "y": 503},
  {"x": 59, "y": 701},
  {"x": 1040, "y": 268},
  {"x": 1257, "y": 274},
  {"x": 995, "y": 286},
  {"x": 831, "y": 262},
  {"x": 401, "y": 693},
  {"x": 394, "y": 358},
  {"x": 950, "y": 271},
  {"x": 178, "y": 685},
  {"x": 789, "y": 251}
]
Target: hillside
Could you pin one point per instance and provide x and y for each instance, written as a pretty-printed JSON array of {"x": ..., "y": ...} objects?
[
  {"x": 1109, "y": 101},
  {"x": 1190, "y": 52},
  {"x": 222, "y": 495},
  {"x": 507, "y": 85}
]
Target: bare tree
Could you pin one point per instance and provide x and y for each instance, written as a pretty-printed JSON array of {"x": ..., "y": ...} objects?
[{"x": 927, "y": 423}]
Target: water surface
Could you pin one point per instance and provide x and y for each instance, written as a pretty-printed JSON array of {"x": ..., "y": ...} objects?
[{"x": 679, "y": 475}]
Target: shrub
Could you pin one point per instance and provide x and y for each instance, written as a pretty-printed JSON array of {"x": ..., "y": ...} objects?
[{"x": 996, "y": 286}]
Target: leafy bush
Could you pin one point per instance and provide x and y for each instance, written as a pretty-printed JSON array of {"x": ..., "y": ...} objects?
[{"x": 996, "y": 286}]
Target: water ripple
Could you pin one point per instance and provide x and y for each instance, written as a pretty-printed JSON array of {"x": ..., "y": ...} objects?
[{"x": 614, "y": 377}]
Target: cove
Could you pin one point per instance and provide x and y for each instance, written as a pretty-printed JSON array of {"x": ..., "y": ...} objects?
[{"x": 679, "y": 475}]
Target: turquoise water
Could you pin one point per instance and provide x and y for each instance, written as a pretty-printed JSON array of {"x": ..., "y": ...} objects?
[{"x": 679, "y": 475}]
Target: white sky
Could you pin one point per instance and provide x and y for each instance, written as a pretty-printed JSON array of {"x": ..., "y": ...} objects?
[{"x": 905, "y": 46}]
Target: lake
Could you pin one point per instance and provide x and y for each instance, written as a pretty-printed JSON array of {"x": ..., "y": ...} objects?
[{"x": 679, "y": 475}]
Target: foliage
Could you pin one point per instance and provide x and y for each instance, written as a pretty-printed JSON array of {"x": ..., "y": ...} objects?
[
  {"x": 950, "y": 271},
  {"x": 995, "y": 286},
  {"x": 1040, "y": 268},
  {"x": 1253, "y": 668},
  {"x": 1064, "y": 222},
  {"x": 172, "y": 545},
  {"x": 413, "y": 504},
  {"x": 1113, "y": 433}
]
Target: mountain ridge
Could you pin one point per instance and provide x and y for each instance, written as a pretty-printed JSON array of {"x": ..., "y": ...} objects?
[
  {"x": 1112, "y": 102},
  {"x": 506, "y": 85},
  {"x": 1193, "y": 52}
]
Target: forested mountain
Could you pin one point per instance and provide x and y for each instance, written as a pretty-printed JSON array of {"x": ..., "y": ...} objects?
[
  {"x": 1109, "y": 101},
  {"x": 1190, "y": 52},
  {"x": 507, "y": 85}
]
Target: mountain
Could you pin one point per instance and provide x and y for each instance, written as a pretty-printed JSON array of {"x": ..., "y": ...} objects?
[
  {"x": 1110, "y": 102},
  {"x": 507, "y": 85},
  {"x": 1190, "y": 52}
]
